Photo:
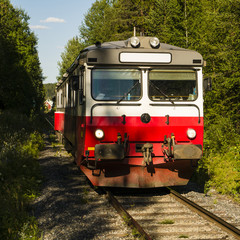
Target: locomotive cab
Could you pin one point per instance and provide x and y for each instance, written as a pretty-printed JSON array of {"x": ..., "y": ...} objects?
[{"x": 135, "y": 116}]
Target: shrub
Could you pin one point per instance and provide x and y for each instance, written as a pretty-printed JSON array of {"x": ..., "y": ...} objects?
[
  {"x": 220, "y": 165},
  {"x": 224, "y": 171},
  {"x": 19, "y": 176}
]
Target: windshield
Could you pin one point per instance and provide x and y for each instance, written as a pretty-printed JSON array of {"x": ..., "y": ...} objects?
[
  {"x": 116, "y": 84},
  {"x": 172, "y": 85}
]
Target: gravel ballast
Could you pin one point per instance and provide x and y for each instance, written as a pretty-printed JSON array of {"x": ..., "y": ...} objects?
[{"x": 69, "y": 208}]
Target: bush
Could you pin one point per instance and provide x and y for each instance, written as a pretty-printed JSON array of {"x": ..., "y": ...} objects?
[
  {"x": 19, "y": 176},
  {"x": 224, "y": 171},
  {"x": 219, "y": 135},
  {"x": 220, "y": 165}
]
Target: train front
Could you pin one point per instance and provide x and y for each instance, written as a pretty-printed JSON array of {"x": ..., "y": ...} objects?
[{"x": 144, "y": 114}]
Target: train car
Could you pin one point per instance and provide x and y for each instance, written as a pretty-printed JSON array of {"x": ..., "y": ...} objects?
[{"x": 131, "y": 112}]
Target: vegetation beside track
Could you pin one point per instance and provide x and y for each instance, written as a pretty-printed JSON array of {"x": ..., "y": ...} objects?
[
  {"x": 220, "y": 166},
  {"x": 20, "y": 178}
]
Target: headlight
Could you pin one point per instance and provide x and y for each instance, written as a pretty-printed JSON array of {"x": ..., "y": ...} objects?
[
  {"x": 135, "y": 42},
  {"x": 154, "y": 42},
  {"x": 99, "y": 134},
  {"x": 191, "y": 133}
]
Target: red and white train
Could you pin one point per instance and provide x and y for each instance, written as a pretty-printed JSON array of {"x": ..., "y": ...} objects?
[{"x": 132, "y": 113}]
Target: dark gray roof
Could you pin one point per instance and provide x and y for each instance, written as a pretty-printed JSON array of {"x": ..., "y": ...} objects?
[{"x": 126, "y": 44}]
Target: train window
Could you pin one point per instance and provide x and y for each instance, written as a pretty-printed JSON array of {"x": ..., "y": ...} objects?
[
  {"x": 58, "y": 104},
  {"x": 61, "y": 97},
  {"x": 66, "y": 99},
  {"x": 116, "y": 84},
  {"x": 69, "y": 94},
  {"x": 172, "y": 85},
  {"x": 81, "y": 87}
]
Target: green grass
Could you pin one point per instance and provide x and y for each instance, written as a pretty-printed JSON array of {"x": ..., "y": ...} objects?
[
  {"x": 167, "y": 221},
  {"x": 19, "y": 176},
  {"x": 183, "y": 236}
]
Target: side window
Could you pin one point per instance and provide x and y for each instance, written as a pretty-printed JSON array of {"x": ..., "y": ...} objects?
[
  {"x": 58, "y": 99},
  {"x": 64, "y": 95},
  {"x": 75, "y": 88},
  {"x": 81, "y": 86},
  {"x": 69, "y": 94}
]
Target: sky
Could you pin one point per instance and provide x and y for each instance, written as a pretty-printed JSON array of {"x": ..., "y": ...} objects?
[{"x": 54, "y": 22}]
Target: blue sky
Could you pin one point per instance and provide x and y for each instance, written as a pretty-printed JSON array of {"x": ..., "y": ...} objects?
[{"x": 54, "y": 22}]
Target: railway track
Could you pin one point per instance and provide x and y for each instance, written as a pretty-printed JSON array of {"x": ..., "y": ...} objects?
[{"x": 169, "y": 215}]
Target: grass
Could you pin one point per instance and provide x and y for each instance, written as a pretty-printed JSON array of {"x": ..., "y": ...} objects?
[
  {"x": 19, "y": 175},
  {"x": 167, "y": 221},
  {"x": 183, "y": 236}
]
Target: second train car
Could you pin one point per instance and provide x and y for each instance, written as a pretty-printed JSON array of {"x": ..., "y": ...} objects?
[{"x": 132, "y": 113}]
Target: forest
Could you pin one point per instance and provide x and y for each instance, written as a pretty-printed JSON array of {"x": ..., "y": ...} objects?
[{"x": 209, "y": 27}]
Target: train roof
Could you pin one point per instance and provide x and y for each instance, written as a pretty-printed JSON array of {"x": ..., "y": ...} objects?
[
  {"x": 126, "y": 44},
  {"x": 143, "y": 54}
]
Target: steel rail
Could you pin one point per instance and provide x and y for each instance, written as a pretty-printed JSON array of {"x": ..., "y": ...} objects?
[
  {"x": 227, "y": 227},
  {"x": 49, "y": 123},
  {"x": 127, "y": 217}
]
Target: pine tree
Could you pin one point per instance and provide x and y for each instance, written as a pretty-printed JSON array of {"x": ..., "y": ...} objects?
[
  {"x": 97, "y": 25},
  {"x": 130, "y": 14},
  {"x": 166, "y": 22}
]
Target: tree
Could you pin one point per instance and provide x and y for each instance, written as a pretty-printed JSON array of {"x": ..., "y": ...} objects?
[
  {"x": 97, "y": 25},
  {"x": 115, "y": 20},
  {"x": 21, "y": 77},
  {"x": 222, "y": 51},
  {"x": 71, "y": 51},
  {"x": 166, "y": 21},
  {"x": 50, "y": 90},
  {"x": 130, "y": 14}
]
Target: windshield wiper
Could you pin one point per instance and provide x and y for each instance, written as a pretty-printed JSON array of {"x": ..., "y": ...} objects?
[
  {"x": 160, "y": 91},
  {"x": 125, "y": 94}
]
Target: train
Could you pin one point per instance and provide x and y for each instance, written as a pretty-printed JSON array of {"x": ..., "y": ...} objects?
[{"x": 131, "y": 112}]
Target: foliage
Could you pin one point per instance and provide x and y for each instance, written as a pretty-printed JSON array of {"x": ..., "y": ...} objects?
[
  {"x": 224, "y": 171},
  {"x": 72, "y": 50},
  {"x": 220, "y": 166},
  {"x": 130, "y": 14},
  {"x": 97, "y": 23},
  {"x": 114, "y": 20},
  {"x": 49, "y": 90},
  {"x": 165, "y": 21},
  {"x": 19, "y": 175},
  {"x": 20, "y": 73}
]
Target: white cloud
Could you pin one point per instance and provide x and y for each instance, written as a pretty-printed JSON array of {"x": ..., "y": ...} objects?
[
  {"x": 60, "y": 47},
  {"x": 53, "y": 20},
  {"x": 38, "y": 27}
]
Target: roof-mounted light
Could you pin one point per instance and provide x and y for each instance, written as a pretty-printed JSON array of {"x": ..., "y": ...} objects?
[
  {"x": 154, "y": 42},
  {"x": 135, "y": 42},
  {"x": 65, "y": 75}
]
